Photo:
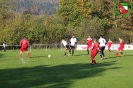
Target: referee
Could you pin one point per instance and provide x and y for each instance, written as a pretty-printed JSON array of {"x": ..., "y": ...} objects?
[{"x": 102, "y": 43}]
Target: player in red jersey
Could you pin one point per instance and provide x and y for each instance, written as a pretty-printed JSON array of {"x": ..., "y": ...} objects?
[
  {"x": 94, "y": 50},
  {"x": 109, "y": 45},
  {"x": 121, "y": 47},
  {"x": 24, "y": 46},
  {"x": 89, "y": 43}
]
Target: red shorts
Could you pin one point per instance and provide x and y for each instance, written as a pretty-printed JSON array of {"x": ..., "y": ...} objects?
[
  {"x": 120, "y": 48},
  {"x": 109, "y": 46},
  {"x": 88, "y": 47},
  {"x": 24, "y": 48},
  {"x": 93, "y": 53}
]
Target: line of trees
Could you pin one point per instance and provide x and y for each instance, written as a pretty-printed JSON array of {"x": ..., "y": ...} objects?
[
  {"x": 37, "y": 7},
  {"x": 78, "y": 17}
]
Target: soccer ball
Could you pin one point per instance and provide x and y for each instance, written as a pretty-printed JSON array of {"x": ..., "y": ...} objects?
[{"x": 49, "y": 56}]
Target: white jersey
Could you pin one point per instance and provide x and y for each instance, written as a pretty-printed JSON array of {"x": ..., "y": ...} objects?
[
  {"x": 102, "y": 42},
  {"x": 73, "y": 41},
  {"x": 64, "y": 43},
  {"x": 4, "y": 45}
]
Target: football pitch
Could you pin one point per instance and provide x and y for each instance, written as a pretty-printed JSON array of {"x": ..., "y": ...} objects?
[{"x": 65, "y": 72}]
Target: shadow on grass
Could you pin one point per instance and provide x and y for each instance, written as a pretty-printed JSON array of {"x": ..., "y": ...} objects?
[
  {"x": 61, "y": 76},
  {"x": 128, "y": 55},
  {"x": 81, "y": 54},
  {"x": 1, "y": 55},
  {"x": 37, "y": 56},
  {"x": 110, "y": 57}
]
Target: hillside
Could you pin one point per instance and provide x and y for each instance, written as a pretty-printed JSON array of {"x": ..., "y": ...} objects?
[{"x": 36, "y": 7}]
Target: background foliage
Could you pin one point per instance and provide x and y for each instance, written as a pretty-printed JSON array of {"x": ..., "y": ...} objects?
[{"x": 78, "y": 17}]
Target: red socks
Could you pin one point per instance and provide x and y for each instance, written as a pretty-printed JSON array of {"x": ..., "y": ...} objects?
[
  {"x": 121, "y": 54},
  {"x": 116, "y": 54},
  {"x": 93, "y": 61},
  {"x": 20, "y": 55},
  {"x": 29, "y": 54}
]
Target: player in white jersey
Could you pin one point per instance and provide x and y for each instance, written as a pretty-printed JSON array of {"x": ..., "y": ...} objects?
[
  {"x": 102, "y": 43},
  {"x": 66, "y": 46},
  {"x": 73, "y": 42}
]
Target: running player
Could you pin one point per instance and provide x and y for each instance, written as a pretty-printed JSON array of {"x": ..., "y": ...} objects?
[
  {"x": 121, "y": 47},
  {"x": 94, "y": 50},
  {"x": 109, "y": 45},
  {"x": 102, "y": 43},
  {"x": 66, "y": 46}
]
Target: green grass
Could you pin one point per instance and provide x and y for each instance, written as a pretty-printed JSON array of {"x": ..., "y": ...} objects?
[{"x": 65, "y": 72}]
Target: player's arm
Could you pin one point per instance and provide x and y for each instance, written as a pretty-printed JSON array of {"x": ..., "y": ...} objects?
[
  {"x": 92, "y": 46},
  {"x": 70, "y": 41},
  {"x": 27, "y": 43},
  {"x": 99, "y": 41},
  {"x": 61, "y": 42},
  {"x": 75, "y": 41},
  {"x": 21, "y": 43},
  {"x": 98, "y": 47},
  {"x": 87, "y": 42},
  {"x": 105, "y": 42}
]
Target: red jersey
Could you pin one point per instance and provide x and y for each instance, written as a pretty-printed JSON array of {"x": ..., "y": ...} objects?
[
  {"x": 89, "y": 41},
  {"x": 121, "y": 47},
  {"x": 24, "y": 42},
  {"x": 110, "y": 43},
  {"x": 95, "y": 47},
  {"x": 122, "y": 43}
]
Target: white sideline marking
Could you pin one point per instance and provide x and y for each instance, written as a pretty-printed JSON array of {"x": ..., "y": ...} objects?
[{"x": 23, "y": 61}]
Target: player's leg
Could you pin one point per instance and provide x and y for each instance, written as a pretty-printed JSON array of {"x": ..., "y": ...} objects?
[
  {"x": 28, "y": 53},
  {"x": 119, "y": 49},
  {"x": 116, "y": 55},
  {"x": 21, "y": 51},
  {"x": 20, "y": 55},
  {"x": 65, "y": 49},
  {"x": 108, "y": 49},
  {"x": 87, "y": 50},
  {"x": 70, "y": 50},
  {"x": 26, "y": 49},
  {"x": 121, "y": 52},
  {"x": 4, "y": 49},
  {"x": 101, "y": 52},
  {"x": 93, "y": 54},
  {"x": 73, "y": 47}
]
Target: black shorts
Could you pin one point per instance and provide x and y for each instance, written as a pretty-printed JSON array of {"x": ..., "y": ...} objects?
[
  {"x": 102, "y": 48},
  {"x": 72, "y": 47},
  {"x": 67, "y": 46}
]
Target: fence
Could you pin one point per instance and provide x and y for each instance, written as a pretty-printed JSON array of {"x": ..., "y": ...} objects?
[
  {"x": 59, "y": 47},
  {"x": 34, "y": 46}
]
